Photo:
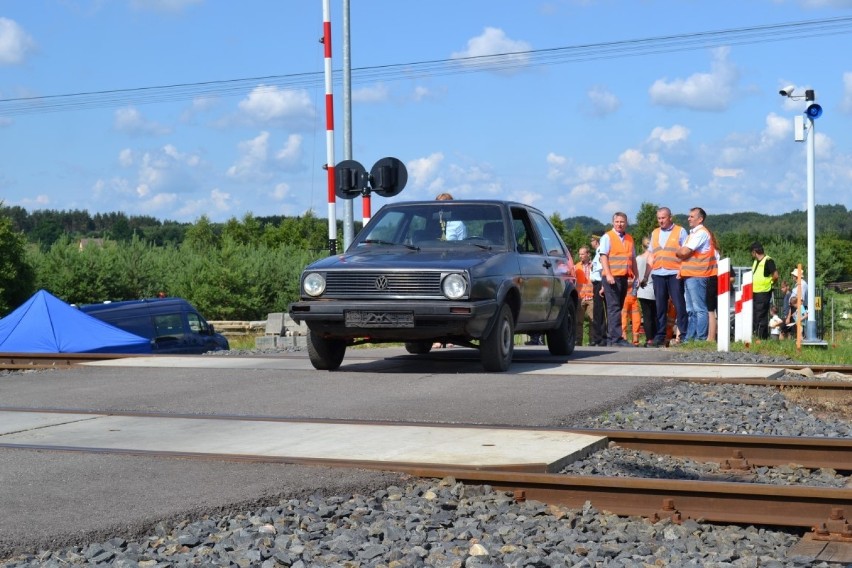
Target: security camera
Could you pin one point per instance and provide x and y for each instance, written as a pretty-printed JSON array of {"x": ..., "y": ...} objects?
[{"x": 787, "y": 91}]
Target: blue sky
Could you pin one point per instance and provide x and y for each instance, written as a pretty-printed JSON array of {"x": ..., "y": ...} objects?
[{"x": 571, "y": 131}]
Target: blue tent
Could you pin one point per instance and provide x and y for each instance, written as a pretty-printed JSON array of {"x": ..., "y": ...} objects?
[{"x": 46, "y": 324}]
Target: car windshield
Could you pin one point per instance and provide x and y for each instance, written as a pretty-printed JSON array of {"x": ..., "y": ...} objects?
[{"x": 438, "y": 224}]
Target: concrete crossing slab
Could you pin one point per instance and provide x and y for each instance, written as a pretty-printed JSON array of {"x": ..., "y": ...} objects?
[
  {"x": 464, "y": 447},
  {"x": 570, "y": 368}
]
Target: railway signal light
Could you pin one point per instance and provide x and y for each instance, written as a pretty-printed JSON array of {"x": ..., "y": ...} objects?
[{"x": 387, "y": 177}]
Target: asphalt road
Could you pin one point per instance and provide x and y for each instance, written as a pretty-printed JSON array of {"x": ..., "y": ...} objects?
[{"x": 51, "y": 499}]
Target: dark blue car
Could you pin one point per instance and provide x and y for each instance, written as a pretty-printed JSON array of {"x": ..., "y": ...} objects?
[{"x": 472, "y": 273}]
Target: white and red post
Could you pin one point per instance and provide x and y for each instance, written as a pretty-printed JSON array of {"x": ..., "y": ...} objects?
[
  {"x": 723, "y": 306},
  {"x": 329, "y": 127},
  {"x": 745, "y": 310}
]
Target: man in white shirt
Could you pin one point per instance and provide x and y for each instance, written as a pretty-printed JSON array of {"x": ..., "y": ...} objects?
[{"x": 795, "y": 287}]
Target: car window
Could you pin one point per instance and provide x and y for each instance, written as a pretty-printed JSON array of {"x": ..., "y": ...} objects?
[
  {"x": 552, "y": 243},
  {"x": 524, "y": 233},
  {"x": 196, "y": 324},
  {"x": 168, "y": 324},
  {"x": 443, "y": 223}
]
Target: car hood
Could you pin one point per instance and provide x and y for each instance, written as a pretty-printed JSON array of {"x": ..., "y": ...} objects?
[{"x": 397, "y": 258}]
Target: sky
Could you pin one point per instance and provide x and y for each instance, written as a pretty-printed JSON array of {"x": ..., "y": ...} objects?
[{"x": 181, "y": 108}]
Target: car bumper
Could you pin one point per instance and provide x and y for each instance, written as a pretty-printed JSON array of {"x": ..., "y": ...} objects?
[{"x": 395, "y": 321}]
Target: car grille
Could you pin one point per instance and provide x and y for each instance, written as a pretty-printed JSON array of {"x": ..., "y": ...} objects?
[{"x": 379, "y": 284}]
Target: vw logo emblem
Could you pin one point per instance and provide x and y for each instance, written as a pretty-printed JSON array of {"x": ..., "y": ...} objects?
[{"x": 382, "y": 283}]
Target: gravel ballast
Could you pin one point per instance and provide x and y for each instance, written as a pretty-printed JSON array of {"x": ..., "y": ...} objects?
[{"x": 444, "y": 523}]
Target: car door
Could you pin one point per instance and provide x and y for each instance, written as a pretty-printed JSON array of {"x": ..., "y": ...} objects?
[
  {"x": 561, "y": 264},
  {"x": 536, "y": 269}
]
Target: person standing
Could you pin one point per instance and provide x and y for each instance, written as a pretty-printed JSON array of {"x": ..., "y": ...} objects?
[
  {"x": 597, "y": 332},
  {"x": 764, "y": 275},
  {"x": 785, "y": 309},
  {"x": 665, "y": 269},
  {"x": 698, "y": 266},
  {"x": 618, "y": 259},
  {"x": 585, "y": 290},
  {"x": 794, "y": 292},
  {"x": 451, "y": 230},
  {"x": 646, "y": 295},
  {"x": 713, "y": 292},
  {"x": 630, "y": 311}
]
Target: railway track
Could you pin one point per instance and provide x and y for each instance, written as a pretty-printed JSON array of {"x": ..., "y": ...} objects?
[{"x": 712, "y": 501}]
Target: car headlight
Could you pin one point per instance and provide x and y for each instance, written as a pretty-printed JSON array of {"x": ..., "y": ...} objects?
[
  {"x": 454, "y": 286},
  {"x": 314, "y": 284}
]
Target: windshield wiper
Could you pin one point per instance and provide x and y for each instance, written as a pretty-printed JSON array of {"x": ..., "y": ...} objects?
[{"x": 381, "y": 242}]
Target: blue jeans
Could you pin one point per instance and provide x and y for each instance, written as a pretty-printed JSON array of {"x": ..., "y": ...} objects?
[{"x": 695, "y": 290}]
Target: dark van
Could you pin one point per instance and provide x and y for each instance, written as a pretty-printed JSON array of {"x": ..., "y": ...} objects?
[{"x": 173, "y": 325}]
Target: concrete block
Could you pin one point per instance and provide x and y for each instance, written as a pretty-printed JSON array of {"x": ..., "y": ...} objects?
[
  {"x": 275, "y": 323},
  {"x": 266, "y": 342}
]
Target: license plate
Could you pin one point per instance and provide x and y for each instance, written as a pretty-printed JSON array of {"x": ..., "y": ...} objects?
[{"x": 362, "y": 318}]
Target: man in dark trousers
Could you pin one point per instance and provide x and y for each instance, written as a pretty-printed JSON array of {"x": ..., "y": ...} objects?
[
  {"x": 764, "y": 274},
  {"x": 618, "y": 259}
]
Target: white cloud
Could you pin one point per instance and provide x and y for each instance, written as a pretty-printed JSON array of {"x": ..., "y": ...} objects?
[
  {"x": 130, "y": 121},
  {"x": 220, "y": 200},
  {"x": 39, "y": 201},
  {"x": 422, "y": 171},
  {"x": 157, "y": 172},
  {"x": 164, "y": 5},
  {"x": 670, "y": 136},
  {"x": 271, "y": 105},
  {"x": 198, "y": 106},
  {"x": 126, "y": 157},
  {"x": 727, "y": 172},
  {"x": 280, "y": 191},
  {"x": 602, "y": 100},
  {"x": 290, "y": 155},
  {"x": 421, "y": 93},
  {"x": 712, "y": 91},
  {"x": 254, "y": 154},
  {"x": 377, "y": 93},
  {"x": 493, "y": 42},
  {"x": 15, "y": 43}
]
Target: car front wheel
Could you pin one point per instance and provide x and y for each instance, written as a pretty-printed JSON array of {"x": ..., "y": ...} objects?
[
  {"x": 496, "y": 348},
  {"x": 325, "y": 354},
  {"x": 560, "y": 341}
]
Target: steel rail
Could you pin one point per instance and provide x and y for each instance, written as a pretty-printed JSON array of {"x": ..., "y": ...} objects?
[
  {"x": 19, "y": 361},
  {"x": 706, "y": 501},
  {"x": 737, "y": 451}
]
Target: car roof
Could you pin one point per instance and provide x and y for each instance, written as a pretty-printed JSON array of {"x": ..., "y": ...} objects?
[{"x": 150, "y": 302}]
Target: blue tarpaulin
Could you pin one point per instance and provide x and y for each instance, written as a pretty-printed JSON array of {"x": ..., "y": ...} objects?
[{"x": 46, "y": 324}]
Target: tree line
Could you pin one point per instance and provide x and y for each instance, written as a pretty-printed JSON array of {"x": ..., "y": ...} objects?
[{"x": 245, "y": 268}]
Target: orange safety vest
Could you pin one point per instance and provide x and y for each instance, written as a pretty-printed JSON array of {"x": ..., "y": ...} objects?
[
  {"x": 620, "y": 254},
  {"x": 584, "y": 282},
  {"x": 700, "y": 264},
  {"x": 665, "y": 257}
]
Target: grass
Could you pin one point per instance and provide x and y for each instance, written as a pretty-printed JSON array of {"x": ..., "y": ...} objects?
[
  {"x": 241, "y": 341},
  {"x": 837, "y": 353}
]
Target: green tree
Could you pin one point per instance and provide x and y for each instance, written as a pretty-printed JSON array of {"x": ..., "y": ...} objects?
[
  {"x": 201, "y": 236},
  {"x": 645, "y": 223},
  {"x": 16, "y": 274}
]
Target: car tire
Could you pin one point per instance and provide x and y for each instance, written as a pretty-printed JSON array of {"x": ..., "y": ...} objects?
[
  {"x": 561, "y": 341},
  {"x": 496, "y": 348},
  {"x": 325, "y": 354},
  {"x": 418, "y": 347}
]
